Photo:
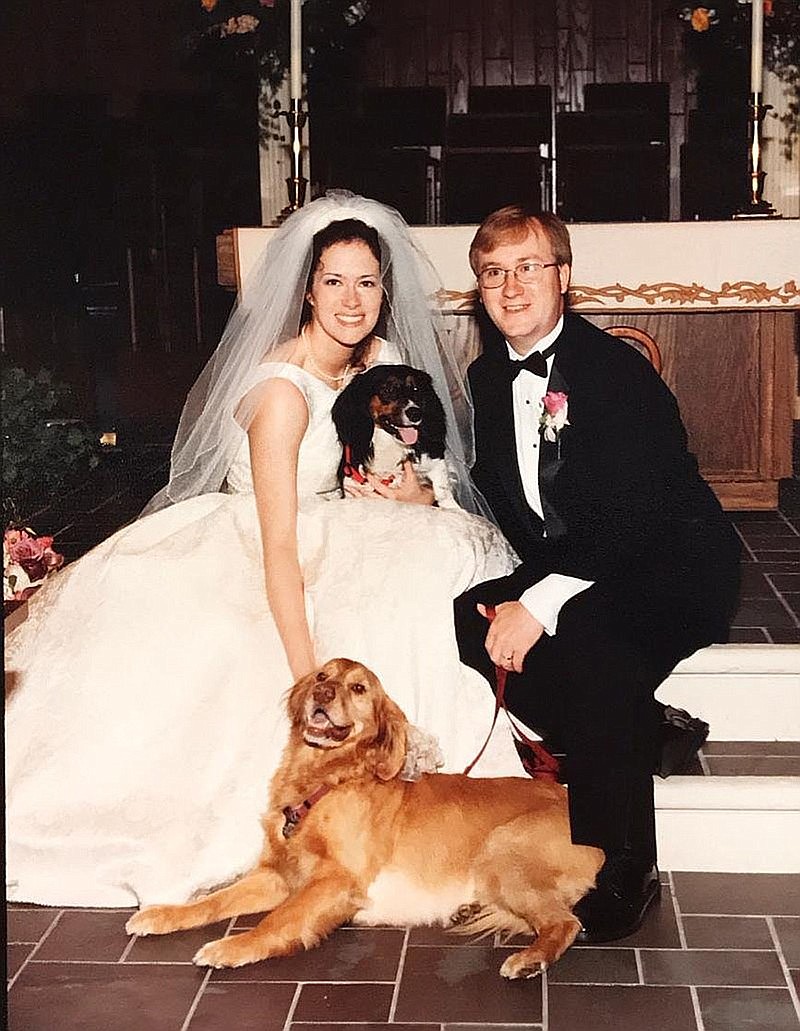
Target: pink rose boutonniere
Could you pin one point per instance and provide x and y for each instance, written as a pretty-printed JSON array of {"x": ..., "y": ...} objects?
[{"x": 554, "y": 417}]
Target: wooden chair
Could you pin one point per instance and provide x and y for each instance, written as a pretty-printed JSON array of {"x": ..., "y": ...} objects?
[{"x": 641, "y": 341}]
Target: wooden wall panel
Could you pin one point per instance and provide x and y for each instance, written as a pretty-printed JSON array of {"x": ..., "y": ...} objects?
[
  {"x": 496, "y": 30},
  {"x": 476, "y": 43},
  {"x": 733, "y": 376},
  {"x": 562, "y": 43},
  {"x": 437, "y": 38},
  {"x": 611, "y": 61},
  {"x": 544, "y": 32},
  {"x": 638, "y": 35},
  {"x": 498, "y": 72},
  {"x": 523, "y": 52},
  {"x": 609, "y": 19},
  {"x": 581, "y": 22},
  {"x": 414, "y": 61},
  {"x": 459, "y": 72},
  {"x": 575, "y": 56}
]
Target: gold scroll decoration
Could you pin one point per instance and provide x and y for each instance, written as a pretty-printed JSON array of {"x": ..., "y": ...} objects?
[{"x": 743, "y": 292}]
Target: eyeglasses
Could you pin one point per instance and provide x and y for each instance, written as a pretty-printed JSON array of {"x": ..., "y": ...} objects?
[{"x": 525, "y": 272}]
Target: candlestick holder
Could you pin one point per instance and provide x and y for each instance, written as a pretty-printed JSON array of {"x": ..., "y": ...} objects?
[
  {"x": 296, "y": 183},
  {"x": 756, "y": 206}
]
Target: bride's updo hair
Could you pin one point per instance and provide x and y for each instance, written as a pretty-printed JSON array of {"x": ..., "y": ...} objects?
[{"x": 346, "y": 230}]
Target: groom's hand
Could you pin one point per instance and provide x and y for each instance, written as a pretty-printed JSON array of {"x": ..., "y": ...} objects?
[{"x": 512, "y": 634}]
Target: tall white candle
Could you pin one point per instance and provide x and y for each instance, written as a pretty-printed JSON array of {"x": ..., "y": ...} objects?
[
  {"x": 296, "y": 51},
  {"x": 757, "y": 46}
]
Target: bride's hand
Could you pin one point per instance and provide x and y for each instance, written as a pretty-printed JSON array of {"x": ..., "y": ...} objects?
[
  {"x": 353, "y": 489},
  {"x": 408, "y": 489}
]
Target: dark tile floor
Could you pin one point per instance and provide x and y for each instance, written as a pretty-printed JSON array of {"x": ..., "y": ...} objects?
[
  {"x": 721, "y": 953},
  {"x": 769, "y": 609}
]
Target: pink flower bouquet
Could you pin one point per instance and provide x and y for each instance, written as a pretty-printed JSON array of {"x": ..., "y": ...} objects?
[{"x": 27, "y": 562}]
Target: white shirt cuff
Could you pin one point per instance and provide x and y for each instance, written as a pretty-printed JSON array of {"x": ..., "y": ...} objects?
[{"x": 545, "y": 599}]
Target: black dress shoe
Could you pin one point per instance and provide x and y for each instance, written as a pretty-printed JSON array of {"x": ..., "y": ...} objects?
[
  {"x": 681, "y": 737},
  {"x": 616, "y": 907}
]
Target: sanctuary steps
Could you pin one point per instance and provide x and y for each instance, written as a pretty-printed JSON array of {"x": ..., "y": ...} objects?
[{"x": 747, "y": 824}]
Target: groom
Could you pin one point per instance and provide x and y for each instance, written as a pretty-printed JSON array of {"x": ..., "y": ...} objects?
[{"x": 628, "y": 562}]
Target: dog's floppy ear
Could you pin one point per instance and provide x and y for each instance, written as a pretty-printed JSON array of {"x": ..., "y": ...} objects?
[
  {"x": 296, "y": 697},
  {"x": 389, "y": 744},
  {"x": 353, "y": 421},
  {"x": 434, "y": 425}
]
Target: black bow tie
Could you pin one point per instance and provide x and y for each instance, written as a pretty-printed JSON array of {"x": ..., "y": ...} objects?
[{"x": 535, "y": 363}]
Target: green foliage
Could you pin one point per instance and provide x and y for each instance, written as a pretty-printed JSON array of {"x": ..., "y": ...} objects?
[
  {"x": 219, "y": 32},
  {"x": 39, "y": 459}
]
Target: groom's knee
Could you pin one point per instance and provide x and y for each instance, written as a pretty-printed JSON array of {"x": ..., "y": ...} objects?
[
  {"x": 468, "y": 621},
  {"x": 471, "y": 628}
]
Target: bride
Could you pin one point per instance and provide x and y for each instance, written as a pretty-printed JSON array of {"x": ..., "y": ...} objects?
[{"x": 145, "y": 713}]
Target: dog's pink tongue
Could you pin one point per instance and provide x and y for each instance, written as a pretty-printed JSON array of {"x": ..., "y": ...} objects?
[{"x": 408, "y": 434}]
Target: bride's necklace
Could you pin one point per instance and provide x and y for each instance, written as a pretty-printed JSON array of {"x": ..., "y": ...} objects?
[{"x": 346, "y": 375}]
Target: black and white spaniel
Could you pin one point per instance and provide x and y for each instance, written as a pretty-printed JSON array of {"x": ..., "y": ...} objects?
[{"x": 386, "y": 415}]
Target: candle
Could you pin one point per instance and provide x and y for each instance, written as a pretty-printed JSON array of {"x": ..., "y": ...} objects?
[
  {"x": 756, "y": 46},
  {"x": 296, "y": 51}
]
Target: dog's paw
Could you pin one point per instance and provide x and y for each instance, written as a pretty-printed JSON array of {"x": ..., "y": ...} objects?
[
  {"x": 150, "y": 920},
  {"x": 234, "y": 951},
  {"x": 526, "y": 963},
  {"x": 464, "y": 914}
]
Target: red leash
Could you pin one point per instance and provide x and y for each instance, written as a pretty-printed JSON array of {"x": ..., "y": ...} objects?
[
  {"x": 351, "y": 470},
  {"x": 543, "y": 764}
]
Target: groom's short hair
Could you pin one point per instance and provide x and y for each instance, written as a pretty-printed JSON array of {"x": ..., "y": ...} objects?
[{"x": 515, "y": 222}]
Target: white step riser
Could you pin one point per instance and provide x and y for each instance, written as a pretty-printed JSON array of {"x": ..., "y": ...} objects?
[
  {"x": 734, "y": 824},
  {"x": 739, "y": 707},
  {"x": 745, "y": 692},
  {"x": 729, "y": 842}
]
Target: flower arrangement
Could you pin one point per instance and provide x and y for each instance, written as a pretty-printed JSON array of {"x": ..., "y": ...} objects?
[
  {"x": 27, "y": 562},
  {"x": 554, "y": 417},
  {"x": 222, "y": 30},
  {"x": 725, "y": 29},
  {"x": 700, "y": 18}
]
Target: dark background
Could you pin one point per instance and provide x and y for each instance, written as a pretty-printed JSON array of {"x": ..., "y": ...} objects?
[{"x": 122, "y": 161}]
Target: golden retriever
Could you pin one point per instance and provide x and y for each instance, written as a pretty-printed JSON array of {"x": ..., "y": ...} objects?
[{"x": 346, "y": 839}]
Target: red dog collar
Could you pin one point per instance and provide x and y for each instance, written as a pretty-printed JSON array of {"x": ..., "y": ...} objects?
[
  {"x": 355, "y": 473},
  {"x": 293, "y": 814},
  {"x": 349, "y": 469}
]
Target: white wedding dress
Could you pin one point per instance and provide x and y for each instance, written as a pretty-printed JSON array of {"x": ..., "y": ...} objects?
[{"x": 145, "y": 715}]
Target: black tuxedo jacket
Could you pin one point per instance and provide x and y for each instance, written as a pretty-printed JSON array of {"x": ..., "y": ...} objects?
[{"x": 624, "y": 503}]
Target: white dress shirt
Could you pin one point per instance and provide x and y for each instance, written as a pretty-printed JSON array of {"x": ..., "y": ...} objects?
[{"x": 543, "y": 599}]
